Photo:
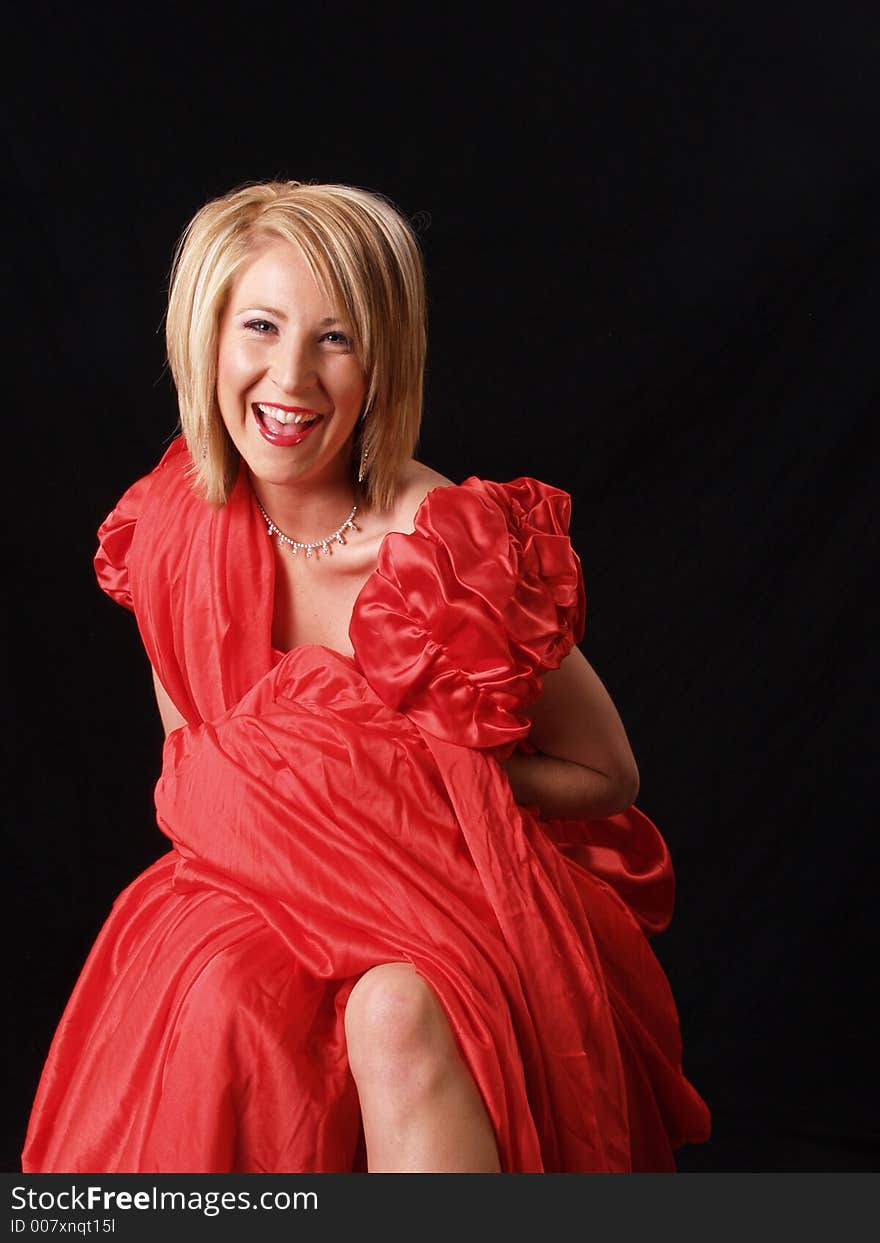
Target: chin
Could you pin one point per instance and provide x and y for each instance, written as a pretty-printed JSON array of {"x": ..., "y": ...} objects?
[{"x": 275, "y": 473}]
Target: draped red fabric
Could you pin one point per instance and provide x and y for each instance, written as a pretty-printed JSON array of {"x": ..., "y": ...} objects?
[{"x": 329, "y": 813}]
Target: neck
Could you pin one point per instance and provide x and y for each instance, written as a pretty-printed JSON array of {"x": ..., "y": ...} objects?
[{"x": 306, "y": 511}]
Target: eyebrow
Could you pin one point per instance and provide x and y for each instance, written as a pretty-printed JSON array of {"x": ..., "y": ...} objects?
[{"x": 279, "y": 314}]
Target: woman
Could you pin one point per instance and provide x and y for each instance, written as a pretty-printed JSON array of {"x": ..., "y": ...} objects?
[{"x": 403, "y": 924}]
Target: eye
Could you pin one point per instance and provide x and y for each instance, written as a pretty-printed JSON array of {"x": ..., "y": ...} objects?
[
  {"x": 335, "y": 337},
  {"x": 262, "y": 327}
]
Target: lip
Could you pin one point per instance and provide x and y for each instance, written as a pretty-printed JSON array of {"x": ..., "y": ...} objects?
[{"x": 287, "y": 438}]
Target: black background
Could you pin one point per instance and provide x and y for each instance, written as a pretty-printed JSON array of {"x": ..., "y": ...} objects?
[{"x": 653, "y": 260}]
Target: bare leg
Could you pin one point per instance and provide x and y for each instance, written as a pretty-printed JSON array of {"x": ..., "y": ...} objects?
[{"x": 421, "y": 1109}]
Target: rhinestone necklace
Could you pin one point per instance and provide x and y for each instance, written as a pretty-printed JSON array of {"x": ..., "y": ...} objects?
[{"x": 335, "y": 537}]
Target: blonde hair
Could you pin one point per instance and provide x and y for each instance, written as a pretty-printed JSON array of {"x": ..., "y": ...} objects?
[{"x": 365, "y": 256}]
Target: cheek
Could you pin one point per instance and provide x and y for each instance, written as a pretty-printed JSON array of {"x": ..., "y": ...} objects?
[
  {"x": 352, "y": 388},
  {"x": 236, "y": 370}
]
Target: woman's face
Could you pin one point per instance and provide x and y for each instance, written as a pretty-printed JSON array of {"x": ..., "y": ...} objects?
[{"x": 289, "y": 384}]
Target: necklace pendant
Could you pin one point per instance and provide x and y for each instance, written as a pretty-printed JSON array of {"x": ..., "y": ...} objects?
[{"x": 324, "y": 545}]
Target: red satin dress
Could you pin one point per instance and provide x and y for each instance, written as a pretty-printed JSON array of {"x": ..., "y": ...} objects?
[{"x": 329, "y": 813}]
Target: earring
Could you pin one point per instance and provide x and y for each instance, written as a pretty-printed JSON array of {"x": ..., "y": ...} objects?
[{"x": 362, "y": 469}]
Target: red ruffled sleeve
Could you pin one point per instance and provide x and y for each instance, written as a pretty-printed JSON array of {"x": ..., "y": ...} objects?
[
  {"x": 116, "y": 532},
  {"x": 462, "y": 618}
]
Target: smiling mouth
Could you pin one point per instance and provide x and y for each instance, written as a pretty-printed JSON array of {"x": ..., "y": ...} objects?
[{"x": 285, "y": 416}]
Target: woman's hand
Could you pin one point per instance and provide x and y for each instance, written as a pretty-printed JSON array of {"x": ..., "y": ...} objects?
[{"x": 585, "y": 767}]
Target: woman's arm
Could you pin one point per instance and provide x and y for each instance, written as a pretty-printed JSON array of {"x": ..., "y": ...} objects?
[
  {"x": 171, "y": 718},
  {"x": 586, "y": 768}
]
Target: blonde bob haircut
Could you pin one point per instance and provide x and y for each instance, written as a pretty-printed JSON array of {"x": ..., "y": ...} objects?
[{"x": 364, "y": 257}]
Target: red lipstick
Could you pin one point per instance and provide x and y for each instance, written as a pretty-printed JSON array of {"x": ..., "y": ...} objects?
[{"x": 281, "y": 434}]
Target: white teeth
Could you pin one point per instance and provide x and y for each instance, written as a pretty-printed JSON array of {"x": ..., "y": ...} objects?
[{"x": 286, "y": 416}]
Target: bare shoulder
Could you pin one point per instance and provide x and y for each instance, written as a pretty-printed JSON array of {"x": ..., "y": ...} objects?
[{"x": 416, "y": 481}]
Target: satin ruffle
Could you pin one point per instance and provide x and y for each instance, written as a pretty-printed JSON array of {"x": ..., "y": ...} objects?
[{"x": 456, "y": 627}]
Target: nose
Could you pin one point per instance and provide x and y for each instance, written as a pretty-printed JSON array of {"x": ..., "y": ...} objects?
[{"x": 293, "y": 368}]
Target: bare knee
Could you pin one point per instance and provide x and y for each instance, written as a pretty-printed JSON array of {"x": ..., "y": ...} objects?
[{"x": 395, "y": 1026}]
